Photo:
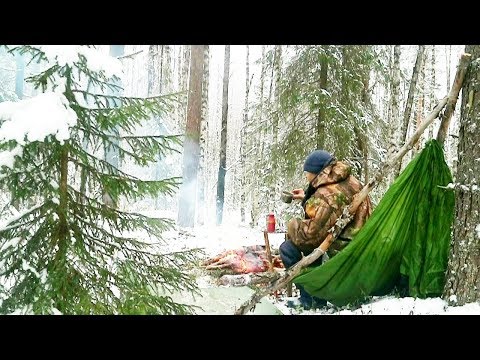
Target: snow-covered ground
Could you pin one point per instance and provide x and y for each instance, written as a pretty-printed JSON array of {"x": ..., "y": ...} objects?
[{"x": 213, "y": 240}]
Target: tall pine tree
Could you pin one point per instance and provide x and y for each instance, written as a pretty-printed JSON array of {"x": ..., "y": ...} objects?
[{"x": 67, "y": 251}]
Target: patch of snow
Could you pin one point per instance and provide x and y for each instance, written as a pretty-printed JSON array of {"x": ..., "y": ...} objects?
[
  {"x": 84, "y": 102},
  {"x": 36, "y": 118},
  {"x": 115, "y": 291},
  {"x": 53, "y": 184},
  {"x": 388, "y": 305},
  {"x": 215, "y": 239},
  {"x": 11, "y": 243},
  {"x": 204, "y": 281},
  {"x": 7, "y": 157},
  {"x": 27, "y": 266},
  {"x": 43, "y": 277},
  {"x": 96, "y": 60},
  {"x": 55, "y": 311},
  {"x": 467, "y": 309},
  {"x": 61, "y": 54},
  {"x": 450, "y": 186},
  {"x": 26, "y": 310},
  {"x": 18, "y": 215}
]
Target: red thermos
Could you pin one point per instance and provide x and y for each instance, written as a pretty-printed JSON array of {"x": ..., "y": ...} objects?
[{"x": 271, "y": 223}]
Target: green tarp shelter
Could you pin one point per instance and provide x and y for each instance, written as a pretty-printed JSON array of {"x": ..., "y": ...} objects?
[{"x": 407, "y": 234}]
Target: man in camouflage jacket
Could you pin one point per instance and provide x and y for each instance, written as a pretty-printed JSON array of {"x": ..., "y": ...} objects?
[{"x": 331, "y": 188}]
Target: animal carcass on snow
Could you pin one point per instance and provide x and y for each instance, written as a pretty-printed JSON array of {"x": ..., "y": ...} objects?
[{"x": 247, "y": 259}]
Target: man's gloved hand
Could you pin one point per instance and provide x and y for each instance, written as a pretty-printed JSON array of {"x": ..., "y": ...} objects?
[{"x": 298, "y": 194}]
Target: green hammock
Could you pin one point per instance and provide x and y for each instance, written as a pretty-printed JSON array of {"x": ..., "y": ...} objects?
[{"x": 408, "y": 234}]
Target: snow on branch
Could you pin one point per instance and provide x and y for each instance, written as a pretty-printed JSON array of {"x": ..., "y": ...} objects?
[
  {"x": 36, "y": 118},
  {"x": 70, "y": 54},
  {"x": 461, "y": 187}
]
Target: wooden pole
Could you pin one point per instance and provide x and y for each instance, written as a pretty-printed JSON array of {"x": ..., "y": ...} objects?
[
  {"x": 453, "y": 96},
  {"x": 267, "y": 249}
]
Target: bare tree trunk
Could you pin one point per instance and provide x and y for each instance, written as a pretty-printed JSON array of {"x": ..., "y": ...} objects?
[
  {"x": 452, "y": 97},
  {"x": 359, "y": 130},
  {"x": 167, "y": 69},
  {"x": 191, "y": 148},
  {"x": 203, "y": 138},
  {"x": 259, "y": 147},
  {"x": 394, "y": 119},
  {"x": 223, "y": 138},
  {"x": 322, "y": 105},
  {"x": 433, "y": 86},
  {"x": 160, "y": 83},
  {"x": 420, "y": 105},
  {"x": 151, "y": 67},
  {"x": 19, "y": 75},
  {"x": 271, "y": 83},
  {"x": 448, "y": 55},
  {"x": 447, "y": 146},
  {"x": 463, "y": 273},
  {"x": 242, "y": 138},
  {"x": 362, "y": 134},
  {"x": 263, "y": 130},
  {"x": 184, "y": 79},
  {"x": 268, "y": 135},
  {"x": 179, "y": 72},
  {"x": 388, "y": 110},
  {"x": 278, "y": 74},
  {"x": 186, "y": 65},
  {"x": 277, "y": 65},
  {"x": 158, "y": 119},
  {"x": 409, "y": 103}
]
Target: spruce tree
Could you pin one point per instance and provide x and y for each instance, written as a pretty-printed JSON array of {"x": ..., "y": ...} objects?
[{"x": 66, "y": 250}]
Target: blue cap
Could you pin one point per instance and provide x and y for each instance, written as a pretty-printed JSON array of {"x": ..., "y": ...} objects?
[{"x": 317, "y": 161}]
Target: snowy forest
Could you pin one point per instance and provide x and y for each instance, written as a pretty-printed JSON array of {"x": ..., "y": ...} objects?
[{"x": 148, "y": 179}]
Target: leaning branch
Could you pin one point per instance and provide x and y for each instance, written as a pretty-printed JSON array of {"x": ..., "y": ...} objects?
[
  {"x": 453, "y": 96},
  {"x": 129, "y": 55}
]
